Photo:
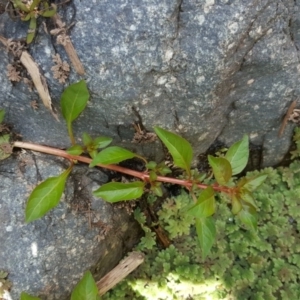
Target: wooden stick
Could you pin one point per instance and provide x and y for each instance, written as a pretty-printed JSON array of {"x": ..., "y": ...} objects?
[
  {"x": 68, "y": 45},
  {"x": 38, "y": 79},
  {"x": 286, "y": 118},
  {"x": 117, "y": 274}
]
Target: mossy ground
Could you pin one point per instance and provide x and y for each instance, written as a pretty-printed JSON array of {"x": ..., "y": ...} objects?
[{"x": 242, "y": 264}]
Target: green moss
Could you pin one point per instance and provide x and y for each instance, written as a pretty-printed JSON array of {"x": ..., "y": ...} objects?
[{"x": 242, "y": 264}]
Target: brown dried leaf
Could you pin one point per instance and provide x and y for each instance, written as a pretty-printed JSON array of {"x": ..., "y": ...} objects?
[
  {"x": 61, "y": 70},
  {"x": 12, "y": 73},
  {"x": 38, "y": 80}
]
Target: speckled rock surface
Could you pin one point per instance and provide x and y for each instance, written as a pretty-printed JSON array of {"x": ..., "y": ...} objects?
[
  {"x": 47, "y": 257},
  {"x": 209, "y": 70},
  {"x": 206, "y": 69}
]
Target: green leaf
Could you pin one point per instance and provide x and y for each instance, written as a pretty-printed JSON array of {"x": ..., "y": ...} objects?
[
  {"x": 2, "y": 114},
  {"x": 112, "y": 155},
  {"x": 50, "y": 12},
  {"x": 251, "y": 184},
  {"x": 248, "y": 217},
  {"x": 221, "y": 169},
  {"x": 205, "y": 205},
  {"x": 179, "y": 148},
  {"x": 45, "y": 196},
  {"x": 238, "y": 155},
  {"x": 164, "y": 171},
  {"x": 152, "y": 176},
  {"x": 86, "y": 288},
  {"x": 236, "y": 205},
  {"x": 19, "y": 4},
  {"x": 157, "y": 191},
  {"x": 151, "y": 165},
  {"x": 25, "y": 296},
  {"x": 34, "y": 4},
  {"x": 86, "y": 138},
  {"x": 32, "y": 29},
  {"x": 75, "y": 150},
  {"x": 102, "y": 141},
  {"x": 117, "y": 191},
  {"x": 73, "y": 101},
  {"x": 26, "y": 17},
  {"x": 5, "y": 147},
  {"x": 206, "y": 232},
  {"x": 248, "y": 198}
]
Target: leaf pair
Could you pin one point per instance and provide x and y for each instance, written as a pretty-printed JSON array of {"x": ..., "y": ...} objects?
[
  {"x": 117, "y": 191},
  {"x": 46, "y": 195},
  {"x": 90, "y": 145},
  {"x": 233, "y": 163},
  {"x": 243, "y": 203},
  {"x": 179, "y": 148}
]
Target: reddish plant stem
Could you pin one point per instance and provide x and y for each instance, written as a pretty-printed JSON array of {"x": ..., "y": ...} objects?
[{"x": 141, "y": 175}]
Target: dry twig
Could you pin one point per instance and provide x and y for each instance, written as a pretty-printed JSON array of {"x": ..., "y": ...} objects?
[
  {"x": 286, "y": 118},
  {"x": 32, "y": 68},
  {"x": 64, "y": 39},
  {"x": 125, "y": 267}
]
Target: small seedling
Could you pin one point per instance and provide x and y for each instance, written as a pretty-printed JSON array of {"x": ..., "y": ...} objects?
[{"x": 30, "y": 11}]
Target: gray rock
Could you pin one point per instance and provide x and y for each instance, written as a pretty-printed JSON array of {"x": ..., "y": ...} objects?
[
  {"x": 48, "y": 257},
  {"x": 208, "y": 70}
]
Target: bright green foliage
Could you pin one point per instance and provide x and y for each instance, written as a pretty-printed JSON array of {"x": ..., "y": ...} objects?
[
  {"x": 117, "y": 191},
  {"x": 221, "y": 169},
  {"x": 45, "y": 196},
  {"x": 25, "y": 296},
  {"x": 155, "y": 170},
  {"x": 248, "y": 216},
  {"x": 160, "y": 168},
  {"x": 206, "y": 204},
  {"x": 75, "y": 150},
  {"x": 92, "y": 146},
  {"x": 206, "y": 232},
  {"x": 173, "y": 216},
  {"x": 179, "y": 148},
  {"x": 238, "y": 155},
  {"x": 73, "y": 101},
  {"x": 112, "y": 155},
  {"x": 2, "y": 114},
  {"x": 241, "y": 264},
  {"x": 251, "y": 184},
  {"x": 148, "y": 241},
  {"x": 86, "y": 289}
]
